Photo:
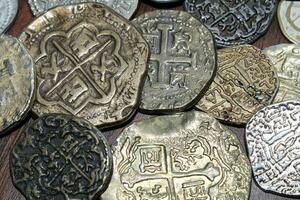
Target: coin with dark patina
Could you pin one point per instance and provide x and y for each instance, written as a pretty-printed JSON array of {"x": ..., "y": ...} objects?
[
  {"x": 61, "y": 157},
  {"x": 273, "y": 140},
  {"x": 184, "y": 156},
  {"x": 246, "y": 81},
  {"x": 17, "y": 82},
  {"x": 8, "y": 12},
  {"x": 90, "y": 63},
  {"x": 182, "y": 60},
  {"x": 234, "y": 22}
]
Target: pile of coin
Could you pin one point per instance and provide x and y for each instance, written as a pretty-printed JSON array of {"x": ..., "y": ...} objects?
[{"x": 82, "y": 66}]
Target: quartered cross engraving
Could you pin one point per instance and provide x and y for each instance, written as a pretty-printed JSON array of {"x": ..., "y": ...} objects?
[{"x": 6, "y": 69}]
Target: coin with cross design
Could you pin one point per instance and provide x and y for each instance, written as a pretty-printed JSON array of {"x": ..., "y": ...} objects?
[
  {"x": 182, "y": 61},
  {"x": 9, "y": 10},
  {"x": 90, "y": 63}
]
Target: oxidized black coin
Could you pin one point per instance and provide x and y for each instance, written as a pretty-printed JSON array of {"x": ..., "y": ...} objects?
[
  {"x": 234, "y": 22},
  {"x": 60, "y": 157}
]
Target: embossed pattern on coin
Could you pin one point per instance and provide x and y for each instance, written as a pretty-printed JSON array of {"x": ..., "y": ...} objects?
[
  {"x": 182, "y": 60},
  {"x": 184, "y": 156},
  {"x": 273, "y": 140},
  {"x": 234, "y": 22},
  {"x": 17, "y": 82},
  {"x": 90, "y": 63},
  {"x": 289, "y": 19},
  {"x": 9, "y": 10},
  {"x": 126, "y": 8},
  {"x": 61, "y": 157},
  {"x": 246, "y": 81},
  {"x": 286, "y": 59}
]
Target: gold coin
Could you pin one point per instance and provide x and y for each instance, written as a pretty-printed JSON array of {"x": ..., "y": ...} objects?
[
  {"x": 286, "y": 59},
  {"x": 184, "y": 156},
  {"x": 246, "y": 81},
  {"x": 289, "y": 19},
  {"x": 90, "y": 63},
  {"x": 17, "y": 82}
]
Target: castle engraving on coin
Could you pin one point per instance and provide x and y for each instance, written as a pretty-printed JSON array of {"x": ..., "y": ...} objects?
[
  {"x": 17, "y": 82},
  {"x": 246, "y": 81},
  {"x": 184, "y": 157},
  {"x": 234, "y": 22},
  {"x": 9, "y": 10},
  {"x": 84, "y": 68},
  {"x": 61, "y": 157},
  {"x": 273, "y": 141},
  {"x": 182, "y": 60}
]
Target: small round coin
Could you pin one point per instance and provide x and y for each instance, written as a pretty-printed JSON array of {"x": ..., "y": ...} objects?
[
  {"x": 273, "y": 140},
  {"x": 246, "y": 81},
  {"x": 126, "y": 8},
  {"x": 90, "y": 63},
  {"x": 234, "y": 22},
  {"x": 182, "y": 61},
  {"x": 8, "y": 12},
  {"x": 17, "y": 82},
  {"x": 286, "y": 59},
  {"x": 61, "y": 157}
]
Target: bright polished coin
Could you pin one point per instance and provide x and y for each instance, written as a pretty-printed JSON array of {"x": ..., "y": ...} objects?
[{"x": 8, "y": 12}]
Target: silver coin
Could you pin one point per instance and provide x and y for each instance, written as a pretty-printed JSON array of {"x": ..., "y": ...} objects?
[
  {"x": 126, "y": 8},
  {"x": 9, "y": 9}
]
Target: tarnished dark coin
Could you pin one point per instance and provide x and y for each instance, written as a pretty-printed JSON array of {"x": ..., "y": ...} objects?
[
  {"x": 234, "y": 22},
  {"x": 182, "y": 60},
  {"x": 188, "y": 156},
  {"x": 273, "y": 140},
  {"x": 165, "y": 1},
  {"x": 17, "y": 82},
  {"x": 61, "y": 157},
  {"x": 8, "y": 12},
  {"x": 246, "y": 81},
  {"x": 90, "y": 63}
]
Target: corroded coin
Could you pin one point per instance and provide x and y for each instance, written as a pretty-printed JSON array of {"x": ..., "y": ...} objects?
[
  {"x": 187, "y": 156},
  {"x": 182, "y": 60},
  {"x": 273, "y": 140},
  {"x": 61, "y": 157},
  {"x": 246, "y": 81},
  {"x": 126, "y": 8},
  {"x": 286, "y": 59},
  {"x": 17, "y": 82},
  {"x": 234, "y": 22},
  {"x": 9, "y": 10},
  {"x": 289, "y": 19},
  {"x": 90, "y": 63}
]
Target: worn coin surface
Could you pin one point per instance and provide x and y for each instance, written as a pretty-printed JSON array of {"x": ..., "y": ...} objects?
[
  {"x": 184, "y": 156},
  {"x": 126, "y": 8},
  {"x": 286, "y": 59},
  {"x": 246, "y": 81},
  {"x": 234, "y": 22},
  {"x": 90, "y": 63},
  {"x": 289, "y": 19},
  {"x": 61, "y": 157},
  {"x": 9, "y": 10},
  {"x": 182, "y": 60},
  {"x": 273, "y": 140},
  {"x": 17, "y": 82}
]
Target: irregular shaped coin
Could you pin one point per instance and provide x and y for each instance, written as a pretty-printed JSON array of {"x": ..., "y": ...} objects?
[
  {"x": 289, "y": 19},
  {"x": 90, "y": 63},
  {"x": 17, "y": 82},
  {"x": 182, "y": 61},
  {"x": 286, "y": 59},
  {"x": 61, "y": 157},
  {"x": 185, "y": 156},
  {"x": 9, "y": 10},
  {"x": 246, "y": 81},
  {"x": 273, "y": 140},
  {"x": 126, "y": 8},
  {"x": 234, "y": 22}
]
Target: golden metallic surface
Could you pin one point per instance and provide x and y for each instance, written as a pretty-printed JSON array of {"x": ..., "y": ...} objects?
[
  {"x": 90, "y": 62},
  {"x": 187, "y": 156},
  {"x": 288, "y": 13},
  {"x": 286, "y": 59},
  {"x": 246, "y": 81},
  {"x": 17, "y": 82}
]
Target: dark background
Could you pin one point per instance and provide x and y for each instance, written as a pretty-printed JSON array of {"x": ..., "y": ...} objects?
[{"x": 9, "y": 192}]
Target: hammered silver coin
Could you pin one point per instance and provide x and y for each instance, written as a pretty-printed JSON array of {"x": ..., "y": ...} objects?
[{"x": 9, "y": 10}]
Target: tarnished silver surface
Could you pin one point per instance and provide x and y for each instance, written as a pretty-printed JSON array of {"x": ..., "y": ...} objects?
[
  {"x": 126, "y": 8},
  {"x": 8, "y": 12}
]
